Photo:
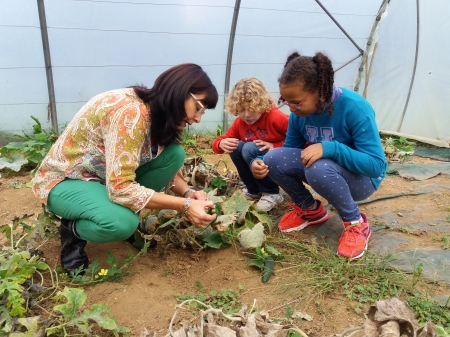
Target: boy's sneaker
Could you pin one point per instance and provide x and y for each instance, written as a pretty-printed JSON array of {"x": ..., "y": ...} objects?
[
  {"x": 269, "y": 201},
  {"x": 299, "y": 218},
  {"x": 355, "y": 238},
  {"x": 250, "y": 196}
]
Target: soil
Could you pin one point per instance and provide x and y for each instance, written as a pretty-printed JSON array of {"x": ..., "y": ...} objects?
[{"x": 145, "y": 298}]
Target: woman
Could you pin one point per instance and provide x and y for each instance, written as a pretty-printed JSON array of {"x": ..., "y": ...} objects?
[{"x": 119, "y": 150}]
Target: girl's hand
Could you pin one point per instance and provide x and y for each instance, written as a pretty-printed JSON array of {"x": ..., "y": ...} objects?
[
  {"x": 265, "y": 145},
  {"x": 259, "y": 169},
  {"x": 311, "y": 154},
  {"x": 228, "y": 145},
  {"x": 196, "y": 213}
]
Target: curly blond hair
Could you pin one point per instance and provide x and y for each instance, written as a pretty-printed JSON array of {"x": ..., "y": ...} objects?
[{"x": 251, "y": 91}]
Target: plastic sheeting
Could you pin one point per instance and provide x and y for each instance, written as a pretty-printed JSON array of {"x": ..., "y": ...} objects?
[
  {"x": 99, "y": 45},
  {"x": 393, "y": 69}
]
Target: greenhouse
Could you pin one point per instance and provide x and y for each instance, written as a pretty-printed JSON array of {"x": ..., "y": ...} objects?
[
  {"x": 59, "y": 53},
  {"x": 224, "y": 168}
]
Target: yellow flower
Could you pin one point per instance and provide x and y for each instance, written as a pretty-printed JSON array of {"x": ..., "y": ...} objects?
[
  {"x": 224, "y": 169},
  {"x": 262, "y": 250},
  {"x": 103, "y": 272}
]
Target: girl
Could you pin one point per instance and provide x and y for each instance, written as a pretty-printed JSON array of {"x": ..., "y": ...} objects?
[
  {"x": 119, "y": 150},
  {"x": 332, "y": 144},
  {"x": 259, "y": 127}
]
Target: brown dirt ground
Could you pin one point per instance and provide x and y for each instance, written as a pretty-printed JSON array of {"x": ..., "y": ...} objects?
[{"x": 145, "y": 298}]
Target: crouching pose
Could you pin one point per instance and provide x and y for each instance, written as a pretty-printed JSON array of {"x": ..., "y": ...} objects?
[
  {"x": 332, "y": 144},
  {"x": 115, "y": 156},
  {"x": 259, "y": 127}
]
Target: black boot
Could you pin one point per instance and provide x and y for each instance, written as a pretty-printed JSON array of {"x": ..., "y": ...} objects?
[{"x": 72, "y": 252}]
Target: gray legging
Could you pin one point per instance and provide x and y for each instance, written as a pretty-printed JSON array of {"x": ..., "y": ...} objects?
[{"x": 338, "y": 185}]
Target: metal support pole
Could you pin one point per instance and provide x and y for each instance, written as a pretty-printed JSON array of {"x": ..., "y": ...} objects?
[
  {"x": 340, "y": 27},
  {"x": 369, "y": 44},
  {"x": 414, "y": 69},
  {"x": 51, "y": 108},
  {"x": 346, "y": 63},
  {"x": 230, "y": 58}
]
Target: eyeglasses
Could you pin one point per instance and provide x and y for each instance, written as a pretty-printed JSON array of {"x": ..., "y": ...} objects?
[
  {"x": 200, "y": 111},
  {"x": 282, "y": 101}
]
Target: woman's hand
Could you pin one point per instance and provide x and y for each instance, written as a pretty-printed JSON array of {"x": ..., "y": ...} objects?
[
  {"x": 265, "y": 145},
  {"x": 259, "y": 169},
  {"x": 311, "y": 154},
  {"x": 228, "y": 145},
  {"x": 197, "y": 195},
  {"x": 196, "y": 213}
]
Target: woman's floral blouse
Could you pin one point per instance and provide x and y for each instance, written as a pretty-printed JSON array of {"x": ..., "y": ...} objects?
[{"x": 106, "y": 141}]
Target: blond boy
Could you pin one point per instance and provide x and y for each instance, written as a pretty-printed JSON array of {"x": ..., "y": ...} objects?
[{"x": 259, "y": 127}]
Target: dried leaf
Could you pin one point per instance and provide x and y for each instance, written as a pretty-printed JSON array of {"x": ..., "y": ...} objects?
[{"x": 252, "y": 238}]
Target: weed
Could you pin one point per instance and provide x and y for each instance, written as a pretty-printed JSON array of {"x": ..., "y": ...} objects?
[
  {"x": 445, "y": 239},
  {"x": 405, "y": 230},
  {"x": 188, "y": 140},
  {"x": 320, "y": 271},
  {"x": 398, "y": 149},
  {"x": 167, "y": 272},
  {"x": 19, "y": 263},
  {"x": 225, "y": 299},
  {"x": 447, "y": 218},
  {"x": 417, "y": 273},
  {"x": 427, "y": 309},
  {"x": 288, "y": 312},
  {"x": 264, "y": 259},
  {"x": 219, "y": 131},
  {"x": 198, "y": 285},
  {"x": 70, "y": 315},
  {"x": 95, "y": 274},
  {"x": 31, "y": 151}
]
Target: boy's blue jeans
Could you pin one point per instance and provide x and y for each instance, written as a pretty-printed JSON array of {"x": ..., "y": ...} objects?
[{"x": 242, "y": 156}]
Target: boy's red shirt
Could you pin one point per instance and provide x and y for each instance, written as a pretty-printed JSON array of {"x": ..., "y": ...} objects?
[{"x": 270, "y": 127}]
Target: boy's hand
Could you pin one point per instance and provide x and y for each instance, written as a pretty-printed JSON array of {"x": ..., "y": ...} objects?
[
  {"x": 265, "y": 145},
  {"x": 259, "y": 169},
  {"x": 311, "y": 154},
  {"x": 228, "y": 145}
]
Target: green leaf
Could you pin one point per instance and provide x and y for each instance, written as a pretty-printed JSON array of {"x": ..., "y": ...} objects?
[
  {"x": 14, "y": 164},
  {"x": 272, "y": 250},
  {"x": 111, "y": 260},
  {"x": 215, "y": 240},
  {"x": 75, "y": 299},
  {"x": 264, "y": 218},
  {"x": 268, "y": 269},
  {"x": 105, "y": 322},
  {"x": 236, "y": 204},
  {"x": 256, "y": 263},
  {"x": 219, "y": 182}
]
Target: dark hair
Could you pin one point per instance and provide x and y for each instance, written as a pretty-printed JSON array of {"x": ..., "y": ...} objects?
[
  {"x": 314, "y": 73},
  {"x": 167, "y": 96}
]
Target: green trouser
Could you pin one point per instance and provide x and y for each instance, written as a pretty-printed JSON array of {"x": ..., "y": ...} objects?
[{"x": 98, "y": 219}]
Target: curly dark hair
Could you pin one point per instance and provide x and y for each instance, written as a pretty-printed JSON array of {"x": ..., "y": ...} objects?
[
  {"x": 167, "y": 96},
  {"x": 313, "y": 73}
]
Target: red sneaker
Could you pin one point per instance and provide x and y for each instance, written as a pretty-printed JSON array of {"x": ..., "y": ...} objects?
[
  {"x": 299, "y": 218},
  {"x": 355, "y": 238}
]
